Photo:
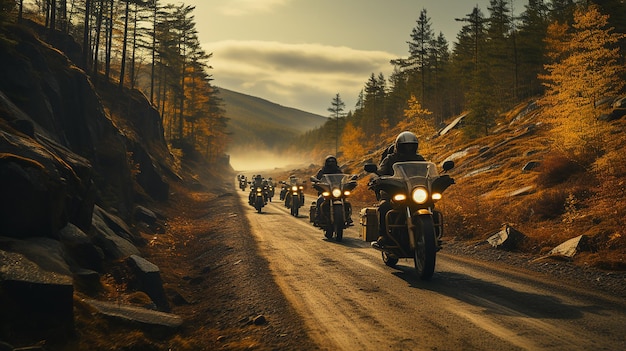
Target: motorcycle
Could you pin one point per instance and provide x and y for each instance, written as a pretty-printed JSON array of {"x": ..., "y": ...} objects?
[
  {"x": 270, "y": 191},
  {"x": 335, "y": 208},
  {"x": 414, "y": 228},
  {"x": 257, "y": 197},
  {"x": 243, "y": 183},
  {"x": 294, "y": 198}
]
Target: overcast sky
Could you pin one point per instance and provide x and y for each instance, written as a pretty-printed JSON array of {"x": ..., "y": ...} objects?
[{"x": 301, "y": 53}]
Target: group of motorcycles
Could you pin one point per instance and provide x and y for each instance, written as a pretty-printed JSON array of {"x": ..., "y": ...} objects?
[
  {"x": 261, "y": 190},
  {"x": 413, "y": 228}
]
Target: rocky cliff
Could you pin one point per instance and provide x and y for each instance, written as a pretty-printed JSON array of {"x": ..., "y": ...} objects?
[{"x": 75, "y": 163}]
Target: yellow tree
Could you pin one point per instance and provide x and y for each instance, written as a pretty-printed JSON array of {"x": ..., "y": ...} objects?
[
  {"x": 585, "y": 69},
  {"x": 418, "y": 119},
  {"x": 352, "y": 141}
]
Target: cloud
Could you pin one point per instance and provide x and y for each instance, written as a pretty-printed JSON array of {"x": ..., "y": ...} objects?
[
  {"x": 304, "y": 76},
  {"x": 246, "y": 7}
]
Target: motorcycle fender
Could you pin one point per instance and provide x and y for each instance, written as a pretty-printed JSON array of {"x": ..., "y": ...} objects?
[
  {"x": 424, "y": 211},
  {"x": 337, "y": 202}
]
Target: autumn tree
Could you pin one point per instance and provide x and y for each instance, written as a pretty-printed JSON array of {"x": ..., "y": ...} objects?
[
  {"x": 418, "y": 119},
  {"x": 353, "y": 141},
  {"x": 585, "y": 70}
]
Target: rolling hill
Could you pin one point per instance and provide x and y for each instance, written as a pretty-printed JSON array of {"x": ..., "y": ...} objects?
[{"x": 258, "y": 123}]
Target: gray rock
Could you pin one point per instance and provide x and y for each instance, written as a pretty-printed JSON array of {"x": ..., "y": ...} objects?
[
  {"x": 522, "y": 191},
  {"x": 145, "y": 215},
  {"x": 570, "y": 248},
  {"x": 35, "y": 301},
  {"x": 148, "y": 280},
  {"x": 137, "y": 314},
  {"x": 507, "y": 239},
  {"x": 47, "y": 253},
  {"x": 80, "y": 247},
  {"x": 113, "y": 246},
  {"x": 531, "y": 165}
]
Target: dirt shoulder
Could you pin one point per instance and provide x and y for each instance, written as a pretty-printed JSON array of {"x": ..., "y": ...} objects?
[{"x": 224, "y": 290}]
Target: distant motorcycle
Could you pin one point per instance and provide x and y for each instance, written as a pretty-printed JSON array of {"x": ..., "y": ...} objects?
[
  {"x": 257, "y": 197},
  {"x": 294, "y": 198},
  {"x": 270, "y": 191},
  {"x": 243, "y": 183},
  {"x": 414, "y": 228},
  {"x": 335, "y": 209}
]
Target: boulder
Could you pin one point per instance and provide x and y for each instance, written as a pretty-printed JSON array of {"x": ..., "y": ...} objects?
[
  {"x": 80, "y": 247},
  {"x": 139, "y": 315},
  {"x": 33, "y": 300},
  {"x": 570, "y": 247},
  {"x": 507, "y": 239},
  {"x": 148, "y": 280},
  {"x": 113, "y": 246}
]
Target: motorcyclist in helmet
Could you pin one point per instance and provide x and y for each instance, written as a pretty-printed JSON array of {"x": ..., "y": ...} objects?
[
  {"x": 330, "y": 167},
  {"x": 257, "y": 181},
  {"x": 405, "y": 149}
]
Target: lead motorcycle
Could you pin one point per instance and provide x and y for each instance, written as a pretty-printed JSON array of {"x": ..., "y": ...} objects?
[
  {"x": 414, "y": 228},
  {"x": 335, "y": 209}
]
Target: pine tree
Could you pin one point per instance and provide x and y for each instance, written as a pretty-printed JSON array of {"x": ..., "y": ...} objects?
[{"x": 336, "y": 112}]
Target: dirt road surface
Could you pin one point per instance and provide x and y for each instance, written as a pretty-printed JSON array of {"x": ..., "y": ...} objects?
[{"x": 351, "y": 301}]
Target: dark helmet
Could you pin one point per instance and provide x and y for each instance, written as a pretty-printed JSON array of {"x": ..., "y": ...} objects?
[
  {"x": 406, "y": 143},
  {"x": 330, "y": 161}
]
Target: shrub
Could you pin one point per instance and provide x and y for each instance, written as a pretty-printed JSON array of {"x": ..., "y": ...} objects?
[{"x": 556, "y": 169}]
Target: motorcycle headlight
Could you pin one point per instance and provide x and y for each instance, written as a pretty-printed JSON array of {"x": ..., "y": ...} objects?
[
  {"x": 399, "y": 197},
  {"x": 258, "y": 189},
  {"x": 336, "y": 192},
  {"x": 326, "y": 194},
  {"x": 419, "y": 195},
  {"x": 436, "y": 196},
  {"x": 294, "y": 188},
  {"x": 346, "y": 193},
  {"x": 301, "y": 187}
]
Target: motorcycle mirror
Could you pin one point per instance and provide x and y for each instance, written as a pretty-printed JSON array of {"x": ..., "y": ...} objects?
[
  {"x": 314, "y": 180},
  {"x": 354, "y": 177},
  {"x": 448, "y": 165},
  {"x": 370, "y": 168}
]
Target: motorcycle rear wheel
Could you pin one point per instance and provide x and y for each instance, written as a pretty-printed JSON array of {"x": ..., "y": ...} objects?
[{"x": 425, "y": 247}]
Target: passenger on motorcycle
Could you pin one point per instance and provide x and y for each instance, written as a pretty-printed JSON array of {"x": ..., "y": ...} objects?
[
  {"x": 330, "y": 167},
  {"x": 404, "y": 149}
]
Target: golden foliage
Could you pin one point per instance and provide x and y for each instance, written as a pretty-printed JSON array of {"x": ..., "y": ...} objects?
[
  {"x": 585, "y": 69},
  {"x": 353, "y": 141}
]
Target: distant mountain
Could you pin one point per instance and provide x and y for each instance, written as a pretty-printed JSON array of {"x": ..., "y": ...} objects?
[{"x": 260, "y": 123}]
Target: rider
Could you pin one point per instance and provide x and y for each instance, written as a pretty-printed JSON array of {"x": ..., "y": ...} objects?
[
  {"x": 257, "y": 181},
  {"x": 405, "y": 149},
  {"x": 330, "y": 167}
]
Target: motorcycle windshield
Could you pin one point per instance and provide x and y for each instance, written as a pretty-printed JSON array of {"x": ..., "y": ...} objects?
[
  {"x": 414, "y": 172},
  {"x": 335, "y": 180}
]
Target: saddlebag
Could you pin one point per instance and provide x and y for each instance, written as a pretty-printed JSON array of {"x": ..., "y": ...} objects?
[{"x": 369, "y": 224}]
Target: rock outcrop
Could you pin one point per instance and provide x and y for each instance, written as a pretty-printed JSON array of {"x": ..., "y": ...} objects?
[{"x": 75, "y": 161}]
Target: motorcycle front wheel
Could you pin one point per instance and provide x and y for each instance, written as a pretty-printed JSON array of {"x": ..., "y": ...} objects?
[
  {"x": 425, "y": 247},
  {"x": 338, "y": 222},
  {"x": 295, "y": 207},
  {"x": 259, "y": 204}
]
